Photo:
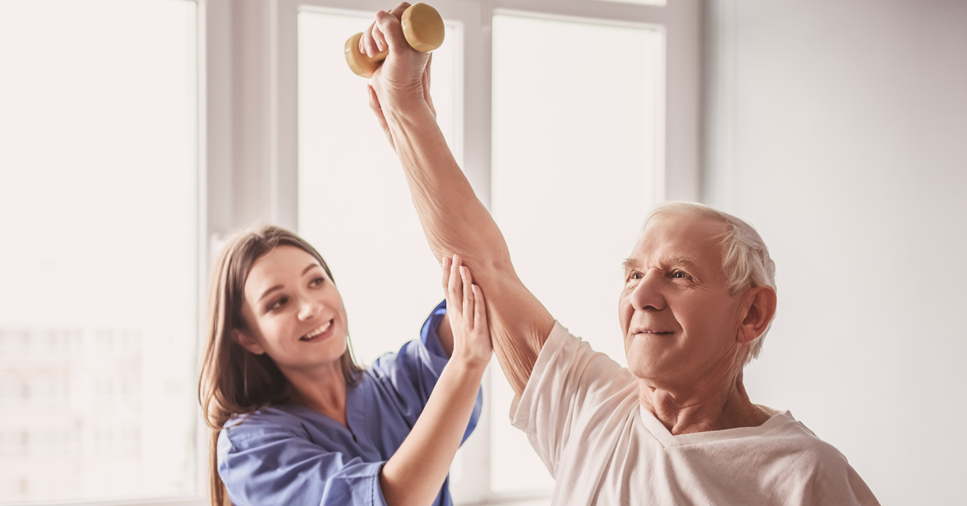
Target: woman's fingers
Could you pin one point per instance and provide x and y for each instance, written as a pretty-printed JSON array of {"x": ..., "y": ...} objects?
[
  {"x": 455, "y": 303},
  {"x": 445, "y": 263},
  {"x": 467, "y": 282},
  {"x": 479, "y": 310}
]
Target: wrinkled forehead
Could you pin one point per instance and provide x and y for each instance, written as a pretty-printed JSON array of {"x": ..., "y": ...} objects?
[{"x": 697, "y": 239}]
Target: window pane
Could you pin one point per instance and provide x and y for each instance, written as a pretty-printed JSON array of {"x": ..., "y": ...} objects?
[
  {"x": 576, "y": 151},
  {"x": 98, "y": 205},
  {"x": 354, "y": 204}
]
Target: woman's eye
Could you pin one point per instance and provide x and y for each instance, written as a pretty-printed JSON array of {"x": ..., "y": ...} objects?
[
  {"x": 278, "y": 304},
  {"x": 318, "y": 281}
]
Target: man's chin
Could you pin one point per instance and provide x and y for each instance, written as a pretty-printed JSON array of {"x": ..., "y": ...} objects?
[{"x": 647, "y": 365}]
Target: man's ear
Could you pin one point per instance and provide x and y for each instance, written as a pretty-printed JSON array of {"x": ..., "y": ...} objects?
[
  {"x": 759, "y": 306},
  {"x": 246, "y": 341}
]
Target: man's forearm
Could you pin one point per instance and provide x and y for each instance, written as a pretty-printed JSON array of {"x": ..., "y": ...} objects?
[{"x": 455, "y": 221}]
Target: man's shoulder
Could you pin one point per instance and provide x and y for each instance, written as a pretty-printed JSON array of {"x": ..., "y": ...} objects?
[
  {"x": 564, "y": 350},
  {"x": 791, "y": 439}
]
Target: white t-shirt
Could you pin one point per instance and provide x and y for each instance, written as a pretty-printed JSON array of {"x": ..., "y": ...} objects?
[{"x": 580, "y": 411}]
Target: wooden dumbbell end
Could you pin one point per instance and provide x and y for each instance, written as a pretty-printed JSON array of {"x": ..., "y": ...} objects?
[
  {"x": 423, "y": 27},
  {"x": 358, "y": 62}
]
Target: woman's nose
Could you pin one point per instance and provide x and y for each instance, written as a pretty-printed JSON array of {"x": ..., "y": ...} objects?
[
  {"x": 309, "y": 308},
  {"x": 647, "y": 296}
]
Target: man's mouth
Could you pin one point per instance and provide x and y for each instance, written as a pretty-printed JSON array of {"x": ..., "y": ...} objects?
[
  {"x": 318, "y": 332},
  {"x": 653, "y": 332}
]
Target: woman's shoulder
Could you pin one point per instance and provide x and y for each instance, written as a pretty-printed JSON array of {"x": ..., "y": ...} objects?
[{"x": 269, "y": 420}]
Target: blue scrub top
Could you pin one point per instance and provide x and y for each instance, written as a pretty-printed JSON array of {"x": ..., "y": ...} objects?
[{"x": 290, "y": 454}]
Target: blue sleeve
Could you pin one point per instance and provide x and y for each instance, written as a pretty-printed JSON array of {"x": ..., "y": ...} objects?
[
  {"x": 415, "y": 369},
  {"x": 265, "y": 460}
]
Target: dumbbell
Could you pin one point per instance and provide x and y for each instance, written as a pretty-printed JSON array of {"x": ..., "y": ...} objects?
[{"x": 422, "y": 28}]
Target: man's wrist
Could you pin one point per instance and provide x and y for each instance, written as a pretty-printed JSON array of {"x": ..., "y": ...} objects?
[{"x": 399, "y": 107}]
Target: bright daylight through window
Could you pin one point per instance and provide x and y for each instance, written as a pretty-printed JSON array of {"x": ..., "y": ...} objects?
[{"x": 98, "y": 204}]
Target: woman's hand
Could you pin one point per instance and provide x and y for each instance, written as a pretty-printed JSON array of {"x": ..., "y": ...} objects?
[
  {"x": 403, "y": 79},
  {"x": 415, "y": 473},
  {"x": 467, "y": 311}
]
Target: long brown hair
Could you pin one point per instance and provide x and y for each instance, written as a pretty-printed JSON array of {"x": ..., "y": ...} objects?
[{"x": 234, "y": 381}]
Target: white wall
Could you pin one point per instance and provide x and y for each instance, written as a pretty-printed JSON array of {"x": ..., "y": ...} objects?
[{"x": 839, "y": 129}]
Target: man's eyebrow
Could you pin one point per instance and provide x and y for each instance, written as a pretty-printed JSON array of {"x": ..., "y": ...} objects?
[
  {"x": 633, "y": 263},
  {"x": 686, "y": 261}
]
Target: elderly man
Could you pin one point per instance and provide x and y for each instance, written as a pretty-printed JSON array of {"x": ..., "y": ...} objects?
[{"x": 676, "y": 426}]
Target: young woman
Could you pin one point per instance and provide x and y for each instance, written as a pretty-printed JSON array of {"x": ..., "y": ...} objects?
[{"x": 295, "y": 420}]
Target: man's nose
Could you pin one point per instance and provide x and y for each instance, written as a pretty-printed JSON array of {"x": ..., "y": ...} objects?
[{"x": 647, "y": 296}]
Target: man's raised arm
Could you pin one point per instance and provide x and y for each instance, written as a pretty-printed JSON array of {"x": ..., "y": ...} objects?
[{"x": 454, "y": 220}]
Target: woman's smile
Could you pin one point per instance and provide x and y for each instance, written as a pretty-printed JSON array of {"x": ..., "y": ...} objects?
[{"x": 320, "y": 333}]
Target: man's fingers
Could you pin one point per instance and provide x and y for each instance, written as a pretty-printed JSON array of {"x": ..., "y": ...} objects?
[
  {"x": 378, "y": 40},
  {"x": 426, "y": 85},
  {"x": 398, "y": 10},
  {"x": 392, "y": 31},
  {"x": 378, "y": 111},
  {"x": 367, "y": 39}
]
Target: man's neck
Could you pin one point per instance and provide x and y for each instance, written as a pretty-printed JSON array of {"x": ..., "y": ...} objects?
[{"x": 714, "y": 407}]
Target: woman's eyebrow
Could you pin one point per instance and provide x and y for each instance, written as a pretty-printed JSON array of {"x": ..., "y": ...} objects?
[{"x": 270, "y": 290}]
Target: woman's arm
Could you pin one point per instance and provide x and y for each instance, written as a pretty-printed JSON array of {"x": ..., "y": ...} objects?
[
  {"x": 454, "y": 220},
  {"x": 415, "y": 473}
]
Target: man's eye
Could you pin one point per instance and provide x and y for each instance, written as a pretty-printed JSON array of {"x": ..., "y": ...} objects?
[
  {"x": 636, "y": 275},
  {"x": 679, "y": 275}
]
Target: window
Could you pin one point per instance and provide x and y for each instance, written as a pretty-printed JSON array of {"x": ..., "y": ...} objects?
[
  {"x": 576, "y": 156},
  {"x": 137, "y": 133},
  {"x": 354, "y": 204},
  {"x": 512, "y": 62},
  {"x": 99, "y": 207}
]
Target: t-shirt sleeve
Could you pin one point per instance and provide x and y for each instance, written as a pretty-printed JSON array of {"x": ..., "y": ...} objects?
[
  {"x": 412, "y": 372},
  {"x": 832, "y": 480},
  {"x": 270, "y": 460},
  {"x": 569, "y": 383}
]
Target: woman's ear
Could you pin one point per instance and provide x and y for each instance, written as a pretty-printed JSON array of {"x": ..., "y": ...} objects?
[
  {"x": 246, "y": 341},
  {"x": 759, "y": 308}
]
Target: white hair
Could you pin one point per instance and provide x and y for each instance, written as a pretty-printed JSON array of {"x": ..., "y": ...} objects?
[{"x": 745, "y": 257}]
